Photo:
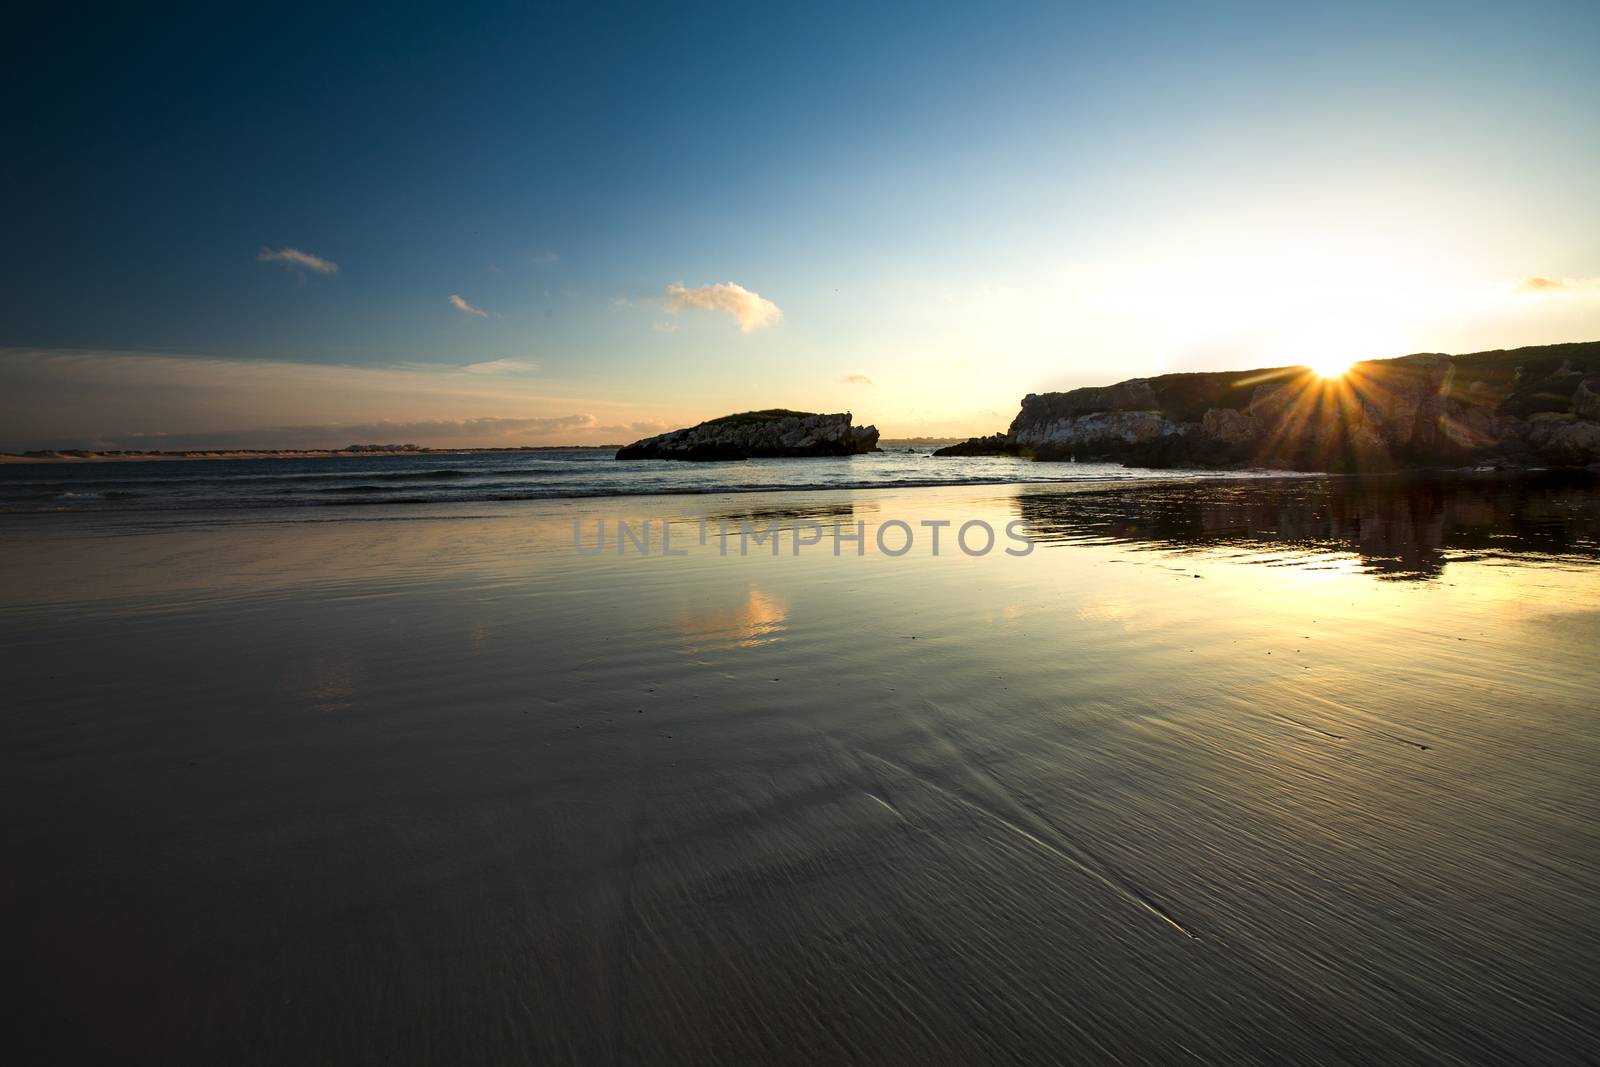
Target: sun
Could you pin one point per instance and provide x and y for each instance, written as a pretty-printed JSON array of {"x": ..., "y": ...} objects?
[{"x": 1330, "y": 368}]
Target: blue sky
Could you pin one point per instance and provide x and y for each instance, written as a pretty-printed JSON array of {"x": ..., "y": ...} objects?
[{"x": 942, "y": 208}]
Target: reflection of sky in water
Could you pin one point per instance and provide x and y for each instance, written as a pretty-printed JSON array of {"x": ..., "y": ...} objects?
[
  {"x": 1394, "y": 528},
  {"x": 1406, "y": 528},
  {"x": 759, "y": 619}
]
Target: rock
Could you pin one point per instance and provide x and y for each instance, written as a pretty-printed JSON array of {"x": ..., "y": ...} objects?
[
  {"x": 1269, "y": 401},
  {"x": 1092, "y": 436},
  {"x": 759, "y": 434},
  {"x": 1232, "y": 427},
  {"x": 993, "y": 445},
  {"x": 1470, "y": 428},
  {"x": 1586, "y": 401},
  {"x": 1564, "y": 439},
  {"x": 1135, "y": 394},
  {"x": 1529, "y": 405}
]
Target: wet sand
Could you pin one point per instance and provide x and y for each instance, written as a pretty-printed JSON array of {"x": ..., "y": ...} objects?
[{"x": 1217, "y": 773}]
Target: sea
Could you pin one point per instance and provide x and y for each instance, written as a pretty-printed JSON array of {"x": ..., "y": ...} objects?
[{"x": 438, "y": 478}]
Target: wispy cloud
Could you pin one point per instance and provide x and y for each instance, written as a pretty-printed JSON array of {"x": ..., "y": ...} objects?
[
  {"x": 435, "y": 433},
  {"x": 544, "y": 259},
  {"x": 460, "y": 304},
  {"x": 136, "y": 400},
  {"x": 502, "y": 366},
  {"x": 648, "y": 427},
  {"x": 664, "y": 327},
  {"x": 1537, "y": 284},
  {"x": 750, "y": 310},
  {"x": 293, "y": 257},
  {"x": 856, "y": 379}
]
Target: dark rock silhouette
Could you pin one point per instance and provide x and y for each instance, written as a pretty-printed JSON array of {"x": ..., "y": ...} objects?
[
  {"x": 775, "y": 432},
  {"x": 1512, "y": 408}
]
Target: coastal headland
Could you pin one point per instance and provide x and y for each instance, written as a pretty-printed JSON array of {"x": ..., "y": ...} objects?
[{"x": 1523, "y": 407}]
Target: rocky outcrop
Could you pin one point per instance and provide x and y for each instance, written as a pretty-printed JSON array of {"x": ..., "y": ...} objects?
[
  {"x": 1230, "y": 427},
  {"x": 1094, "y": 431},
  {"x": 1586, "y": 402},
  {"x": 1564, "y": 439},
  {"x": 996, "y": 444},
  {"x": 1524, "y": 407},
  {"x": 759, "y": 434}
]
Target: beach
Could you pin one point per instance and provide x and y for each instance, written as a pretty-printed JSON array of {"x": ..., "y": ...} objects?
[
  {"x": 801, "y": 534},
  {"x": 1219, "y": 770}
]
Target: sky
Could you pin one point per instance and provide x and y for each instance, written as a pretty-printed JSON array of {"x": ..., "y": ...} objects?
[{"x": 485, "y": 224}]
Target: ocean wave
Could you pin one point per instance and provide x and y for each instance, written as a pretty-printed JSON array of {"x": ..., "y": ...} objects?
[{"x": 334, "y": 483}]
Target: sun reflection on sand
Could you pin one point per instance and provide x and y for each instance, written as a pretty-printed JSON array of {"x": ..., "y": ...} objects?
[
  {"x": 760, "y": 619},
  {"x": 327, "y": 684},
  {"x": 1117, "y": 610}
]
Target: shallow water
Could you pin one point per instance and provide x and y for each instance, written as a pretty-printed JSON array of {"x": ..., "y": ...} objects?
[
  {"x": 1196, "y": 778},
  {"x": 128, "y": 486}
]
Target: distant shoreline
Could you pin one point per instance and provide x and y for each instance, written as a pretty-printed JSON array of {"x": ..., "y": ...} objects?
[{"x": 77, "y": 455}]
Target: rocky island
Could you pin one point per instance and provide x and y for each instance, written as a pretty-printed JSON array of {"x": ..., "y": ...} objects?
[
  {"x": 1537, "y": 406},
  {"x": 776, "y": 432}
]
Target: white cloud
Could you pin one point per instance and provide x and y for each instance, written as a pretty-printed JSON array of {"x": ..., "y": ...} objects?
[
  {"x": 664, "y": 327},
  {"x": 293, "y": 257},
  {"x": 648, "y": 427},
  {"x": 544, "y": 259},
  {"x": 460, "y": 304},
  {"x": 750, "y": 310},
  {"x": 1537, "y": 284},
  {"x": 856, "y": 379},
  {"x": 502, "y": 366}
]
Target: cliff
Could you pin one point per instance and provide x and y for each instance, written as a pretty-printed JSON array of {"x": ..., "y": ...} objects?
[
  {"x": 772, "y": 433},
  {"x": 1520, "y": 407}
]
